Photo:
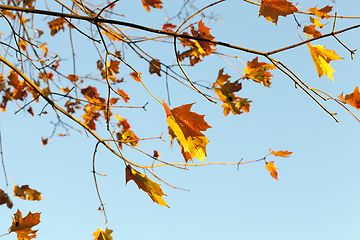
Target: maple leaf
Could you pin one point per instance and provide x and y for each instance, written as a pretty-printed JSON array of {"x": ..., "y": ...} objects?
[
  {"x": 316, "y": 22},
  {"x": 151, "y": 3},
  {"x": 321, "y": 13},
  {"x": 280, "y": 153},
  {"x": 22, "y": 226},
  {"x": 257, "y": 71},
  {"x": 185, "y": 126},
  {"x": 123, "y": 95},
  {"x": 272, "y": 9},
  {"x": 310, "y": 30},
  {"x": 99, "y": 65},
  {"x": 4, "y": 198},
  {"x": 25, "y": 192},
  {"x": 272, "y": 169},
  {"x": 225, "y": 89},
  {"x": 73, "y": 78},
  {"x": 56, "y": 24},
  {"x": 44, "y": 141},
  {"x": 155, "y": 67},
  {"x": 101, "y": 235},
  {"x": 321, "y": 58},
  {"x": 198, "y": 49},
  {"x": 144, "y": 183},
  {"x": 114, "y": 66},
  {"x": 125, "y": 135},
  {"x": 353, "y": 99}
]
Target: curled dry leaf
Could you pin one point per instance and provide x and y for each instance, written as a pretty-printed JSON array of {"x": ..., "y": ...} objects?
[
  {"x": 321, "y": 13},
  {"x": 155, "y": 67},
  {"x": 310, "y": 30},
  {"x": 56, "y": 24},
  {"x": 185, "y": 126},
  {"x": 257, "y": 71},
  {"x": 151, "y": 3},
  {"x": 272, "y": 9},
  {"x": 4, "y": 198},
  {"x": 280, "y": 153},
  {"x": 144, "y": 183},
  {"x": 353, "y": 99},
  {"x": 25, "y": 192}
]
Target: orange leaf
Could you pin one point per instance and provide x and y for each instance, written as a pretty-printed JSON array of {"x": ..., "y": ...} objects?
[
  {"x": 23, "y": 44},
  {"x": 30, "y": 111},
  {"x": 114, "y": 66},
  {"x": 4, "y": 198},
  {"x": 135, "y": 76},
  {"x": 310, "y": 30},
  {"x": 101, "y": 235},
  {"x": 151, "y": 3},
  {"x": 257, "y": 71},
  {"x": 24, "y": 192},
  {"x": 22, "y": 226},
  {"x": 44, "y": 141},
  {"x": 272, "y": 169},
  {"x": 73, "y": 77},
  {"x": 155, "y": 67},
  {"x": 55, "y": 25},
  {"x": 156, "y": 154},
  {"x": 185, "y": 126},
  {"x": 168, "y": 27},
  {"x": 123, "y": 95},
  {"x": 144, "y": 183},
  {"x": 316, "y": 22},
  {"x": 322, "y": 58},
  {"x": 353, "y": 99},
  {"x": 321, "y": 13},
  {"x": 280, "y": 153},
  {"x": 272, "y": 9}
]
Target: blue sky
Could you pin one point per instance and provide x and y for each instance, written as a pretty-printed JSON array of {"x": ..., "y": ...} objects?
[{"x": 317, "y": 194}]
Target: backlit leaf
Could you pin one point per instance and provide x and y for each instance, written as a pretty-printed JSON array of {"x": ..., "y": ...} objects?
[
  {"x": 258, "y": 71},
  {"x": 155, "y": 67},
  {"x": 22, "y": 226},
  {"x": 322, "y": 58},
  {"x": 353, "y": 99},
  {"x": 144, "y": 183},
  {"x": 185, "y": 126},
  {"x": 272, "y": 169},
  {"x": 56, "y": 24},
  {"x": 310, "y": 30},
  {"x": 321, "y": 13},
  {"x": 25, "y": 192},
  {"x": 151, "y": 3},
  {"x": 280, "y": 153},
  {"x": 101, "y": 235},
  {"x": 272, "y": 9},
  {"x": 316, "y": 22}
]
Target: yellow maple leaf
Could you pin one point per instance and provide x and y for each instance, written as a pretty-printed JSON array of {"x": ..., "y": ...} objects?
[
  {"x": 281, "y": 153},
  {"x": 272, "y": 169},
  {"x": 322, "y": 58},
  {"x": 185, "y": 126},
  {"x": 22, "y": 226},
  {"x": 25, "y": 192},
  {"x": 353, "y": 98},
  {"x": 272, "y": 9},
  {"x": 101, "y": 235},
  {"x": 257, "y": 71},
  {"x": 321, "y": 13},
  {"x": 144, "y": 183}
]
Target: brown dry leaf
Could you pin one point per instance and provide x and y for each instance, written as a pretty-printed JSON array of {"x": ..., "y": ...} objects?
[
  {"x": 321, "y": 13},
  {"x": 151, "y": 3},
  {"x": 4, "y": 198},
  {"x": 22, "y": 226},
  {"x": 114, "y": 66},
  {"x": 44, "y": 141},
  {"x": 322, "y": 58},
  {"x": 25, "y": 192},
  {"x": 280, "y": 153},
  {"x": 135, "y": 76},
  {"x": 310, "y": 30},
  {"x": 155, "y": 67},
  {"x": 353, "y": 99},
  {"x": 101, "y": 235},
  {"x": 123, "y": 95},
  {"x": 257, "y": 71},
  {"x": 272, "y": 9},
  {"x": 144, "y": 183},
  {"x": 56, "y": 24},
  {"x": 185, "y": 126},
  {"x": 23, "y": 44},
  {"x": 168, "y": 27},
  {"x": 272, "y": 169},
  {"x": 73, "y": 78}
]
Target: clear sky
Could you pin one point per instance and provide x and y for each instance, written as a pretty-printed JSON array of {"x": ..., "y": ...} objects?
[{"x": 317, "y": 195}]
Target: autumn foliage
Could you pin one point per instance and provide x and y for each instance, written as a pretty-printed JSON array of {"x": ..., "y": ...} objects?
[{"x": 91, "y": 102}]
